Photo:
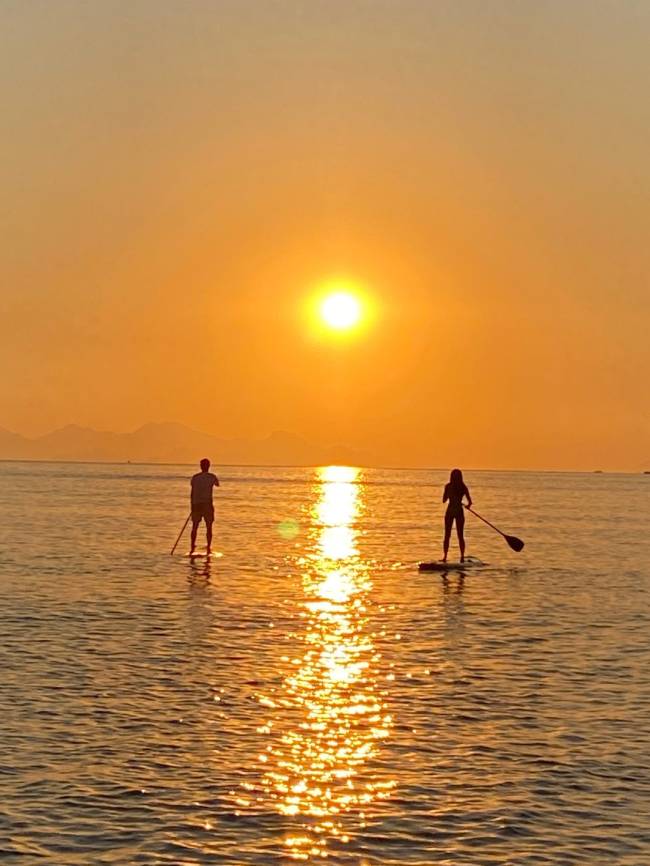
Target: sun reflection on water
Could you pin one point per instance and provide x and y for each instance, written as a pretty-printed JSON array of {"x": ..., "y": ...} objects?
[{"x": 316, "y": 771}]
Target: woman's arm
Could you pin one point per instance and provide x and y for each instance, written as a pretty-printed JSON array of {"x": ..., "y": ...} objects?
[
  {"x": 469, "y": 498},
  {"x": 445, "y": 495}
]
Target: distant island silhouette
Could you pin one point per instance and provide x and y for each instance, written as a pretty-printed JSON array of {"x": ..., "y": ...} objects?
[{"x": 170, "y": 442}]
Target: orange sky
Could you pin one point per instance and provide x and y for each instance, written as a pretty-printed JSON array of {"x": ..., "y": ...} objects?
[{"x": 178, "y": 177}]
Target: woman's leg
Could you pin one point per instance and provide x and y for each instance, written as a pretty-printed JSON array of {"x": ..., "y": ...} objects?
[
  {"x": 460, "y": 525},
  {"x": 449, "y": 522}
]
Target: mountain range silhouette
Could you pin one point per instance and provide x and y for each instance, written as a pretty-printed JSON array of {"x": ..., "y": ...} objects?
[{"x": 169, "y": 442}]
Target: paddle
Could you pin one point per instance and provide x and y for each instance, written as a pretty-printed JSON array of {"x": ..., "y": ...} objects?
[
  {"x": 515, "y": 543},
  {"x": 171, "y": 552}
]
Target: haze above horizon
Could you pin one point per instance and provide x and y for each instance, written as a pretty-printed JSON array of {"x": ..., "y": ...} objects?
[{"x": 182, "y": 180}]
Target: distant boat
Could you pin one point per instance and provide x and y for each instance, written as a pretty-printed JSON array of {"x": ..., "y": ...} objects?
[
  {"x": 646, "y": 472},
  {"x": 598, "y": 471}
]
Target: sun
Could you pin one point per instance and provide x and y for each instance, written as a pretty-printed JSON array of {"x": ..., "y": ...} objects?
[{"x": 340, "y": 310}]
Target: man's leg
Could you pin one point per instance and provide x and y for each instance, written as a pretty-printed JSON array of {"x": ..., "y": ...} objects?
[
  {"x": 195, "y": 526},
  {"x": 209, "y": 520}
]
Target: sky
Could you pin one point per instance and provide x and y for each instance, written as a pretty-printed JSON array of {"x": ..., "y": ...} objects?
[{"x": 180, "y": 178}]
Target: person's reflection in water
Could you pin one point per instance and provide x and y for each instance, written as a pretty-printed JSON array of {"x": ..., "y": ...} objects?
[
  {"x": 452, "y": 606},
  {"x": 199, "y": 571},
  {"x": 446, "y": 583}
]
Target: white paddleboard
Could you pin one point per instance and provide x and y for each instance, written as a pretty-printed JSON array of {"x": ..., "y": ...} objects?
[
  {"x": 470, "y": 562},
  {"x": 202, "y": 554}
]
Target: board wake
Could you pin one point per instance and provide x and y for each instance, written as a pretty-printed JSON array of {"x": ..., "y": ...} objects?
[
  {"x": 202, "y": 554},
  {"x": 470, "y": 563}
]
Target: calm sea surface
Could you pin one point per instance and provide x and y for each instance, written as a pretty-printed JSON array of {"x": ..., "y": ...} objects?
[{"x": 310, "y": 696}]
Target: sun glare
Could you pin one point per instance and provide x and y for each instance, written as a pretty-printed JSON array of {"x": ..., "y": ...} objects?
[{"x": 340, "y": 310}]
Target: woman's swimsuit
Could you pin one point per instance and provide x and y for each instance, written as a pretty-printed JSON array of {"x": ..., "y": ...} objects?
[{"x": 455, "y": 507}]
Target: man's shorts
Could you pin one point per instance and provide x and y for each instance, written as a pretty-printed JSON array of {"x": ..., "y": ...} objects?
[{"x": 202, "y": 511}]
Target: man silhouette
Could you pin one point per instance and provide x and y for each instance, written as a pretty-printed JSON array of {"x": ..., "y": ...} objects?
[{"x": 202, "y": 506}]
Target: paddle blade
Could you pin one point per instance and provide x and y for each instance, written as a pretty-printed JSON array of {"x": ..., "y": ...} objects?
[{"x": 515, "y": 543}]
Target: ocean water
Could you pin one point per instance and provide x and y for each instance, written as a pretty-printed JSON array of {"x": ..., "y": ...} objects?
[{"x": 309, "y": 696}]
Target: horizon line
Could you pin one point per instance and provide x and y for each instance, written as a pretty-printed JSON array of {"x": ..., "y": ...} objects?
[{"x": 320, "y": 465}]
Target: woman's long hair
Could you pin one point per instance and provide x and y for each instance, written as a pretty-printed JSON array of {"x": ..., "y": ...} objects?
[{"x": 456, "y": 480}]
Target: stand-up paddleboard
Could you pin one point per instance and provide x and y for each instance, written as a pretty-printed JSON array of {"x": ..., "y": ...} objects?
[
  {"x": 470, "y": 563},
  {"x": 203, "y": 554}
]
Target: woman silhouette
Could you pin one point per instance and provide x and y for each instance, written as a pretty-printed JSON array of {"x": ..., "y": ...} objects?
[{"x": 455, "y": 490}]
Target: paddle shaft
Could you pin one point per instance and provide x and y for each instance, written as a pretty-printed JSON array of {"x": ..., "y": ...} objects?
[
  {"x": 171, "y": 552},
  {"x": 476, "y": 514}
]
